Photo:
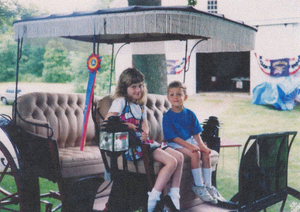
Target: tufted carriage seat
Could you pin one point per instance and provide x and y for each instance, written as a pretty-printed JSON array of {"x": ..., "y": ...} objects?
[
  {"x": 156, "y": 106},
  {"x": 64, "y": 114}
]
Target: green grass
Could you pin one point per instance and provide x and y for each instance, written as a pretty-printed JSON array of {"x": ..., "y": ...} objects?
[
  {"x": 240, "y": 119},
  {"x": 45, "y": 187}
]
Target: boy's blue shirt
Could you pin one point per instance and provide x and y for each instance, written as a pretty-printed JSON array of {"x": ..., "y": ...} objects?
[{"x": 183, "y": 125}]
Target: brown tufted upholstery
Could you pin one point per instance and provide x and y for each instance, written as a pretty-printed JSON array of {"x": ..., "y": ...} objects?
[
  {"x": 156, "y": 106},
  {"x": 64, "y": 114}
]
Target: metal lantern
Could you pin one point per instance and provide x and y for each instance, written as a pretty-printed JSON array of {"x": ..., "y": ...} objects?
[{"x": 114, "y": 135}]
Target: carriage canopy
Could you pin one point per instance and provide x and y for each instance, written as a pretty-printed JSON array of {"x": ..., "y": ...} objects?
[{"x": 139, "y": 24}]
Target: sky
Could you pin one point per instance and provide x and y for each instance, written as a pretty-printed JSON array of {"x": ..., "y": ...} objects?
[
  {"x": 241, "y": 10},
  {"x": 69, "y": 6},
  {"x": 62, "y": 6}
]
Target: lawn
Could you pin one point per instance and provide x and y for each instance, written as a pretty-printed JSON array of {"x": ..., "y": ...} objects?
[{"x": 239, "y": 119}]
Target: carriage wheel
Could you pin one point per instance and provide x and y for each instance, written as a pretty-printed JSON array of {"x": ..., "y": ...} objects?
[{"x": 10, "y": 181}]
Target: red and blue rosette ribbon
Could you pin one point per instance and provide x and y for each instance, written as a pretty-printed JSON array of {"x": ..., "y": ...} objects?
[{"x": 93, "y": 65}]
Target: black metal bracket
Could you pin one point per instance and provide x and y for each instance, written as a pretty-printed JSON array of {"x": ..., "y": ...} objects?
[{"x": 187, "y": 59}]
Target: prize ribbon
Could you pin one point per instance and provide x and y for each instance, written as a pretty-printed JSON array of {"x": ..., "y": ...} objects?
[{"x": 93, "y": 65}]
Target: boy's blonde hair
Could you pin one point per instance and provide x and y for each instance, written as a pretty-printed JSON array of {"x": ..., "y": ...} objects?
[
  {"x": 177, "y": 84},
  {"x": 128, "y": 77}
]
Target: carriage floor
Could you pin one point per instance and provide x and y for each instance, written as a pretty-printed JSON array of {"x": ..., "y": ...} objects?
[{"x": 102, "y": 198}]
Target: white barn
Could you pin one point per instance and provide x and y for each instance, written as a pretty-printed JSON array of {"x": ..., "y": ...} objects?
[{"x": 216, "y": 67}]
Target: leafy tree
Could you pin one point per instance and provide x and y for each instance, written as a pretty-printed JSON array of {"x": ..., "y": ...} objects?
[
  {"x": 145, "y": 2},
  {"x": 11, "y": 10},
  {"x": 79, "y": 70},
  {"x": 103, "y": 78},
  {"x": 56, "y": 63},
  {"x": 7, "y": 58},
  {"x": 32, "y": 60},
  {"x": 192, "y": 2},
  {"x": 81, "y": 74},
  {"x": 23, "y": 12},
  {"x": 6, "y": 12},
  {"x": 153, "y": 66}
]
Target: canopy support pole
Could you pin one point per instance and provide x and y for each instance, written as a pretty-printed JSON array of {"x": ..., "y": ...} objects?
[
  {"x": 19, "y": 55},
  {"x": 98, "y": 47},
  {"x": 93, "y": 103},
  {"x": 113, "y": 63},
  {"x": 187, "y": 60}
]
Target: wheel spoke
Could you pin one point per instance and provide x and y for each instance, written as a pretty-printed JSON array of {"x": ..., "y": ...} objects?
[
  {"x": 4, "y": 172},
  {"x": 7, "y": 194},
  {"x": 9, "y": 182},
  {"x": 7, "y": 209}
]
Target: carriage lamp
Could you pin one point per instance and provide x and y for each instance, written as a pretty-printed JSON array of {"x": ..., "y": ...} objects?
[{"x": 114, "y": 135}]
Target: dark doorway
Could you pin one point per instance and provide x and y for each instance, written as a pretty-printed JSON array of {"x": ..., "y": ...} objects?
[{"x": 226, "y": 71}]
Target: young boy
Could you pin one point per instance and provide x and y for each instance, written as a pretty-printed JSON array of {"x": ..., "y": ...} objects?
[{"x": 182, "y": 129}]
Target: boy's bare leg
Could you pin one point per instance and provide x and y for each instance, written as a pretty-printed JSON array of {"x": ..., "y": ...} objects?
[
  {"x": 205, "y": 160},
  {"x": 195, "y": 157},
  {"x": 199, "y": 190}
]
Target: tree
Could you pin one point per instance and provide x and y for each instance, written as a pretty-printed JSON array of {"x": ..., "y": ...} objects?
[
  {"x": 192, "y": 2},
  {"x": 11, "y": 10},
  {"x": 103, "y": 78},
  {"x": 144, "y": 2},
  {"x": 6, "y": 12},
  {"x": 81, "y": 73},
  {"x": 7, "y": 58},
  {"x": 32, "y": 60},
  {"x": 153, "y": 66},
  {"x": 56, "y": 63}
]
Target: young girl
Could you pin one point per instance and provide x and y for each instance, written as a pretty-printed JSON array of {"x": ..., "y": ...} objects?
[{"x": 129, "y": 100}]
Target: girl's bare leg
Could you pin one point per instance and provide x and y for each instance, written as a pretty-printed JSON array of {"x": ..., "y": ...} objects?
[
  {"x": 170, "y": 165},
  {"x": 178, "y": 171}
]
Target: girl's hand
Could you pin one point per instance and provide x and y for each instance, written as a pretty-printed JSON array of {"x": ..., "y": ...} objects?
[
  {"x": 131, "y": 126},
  {"x": 144, "y": 136}
]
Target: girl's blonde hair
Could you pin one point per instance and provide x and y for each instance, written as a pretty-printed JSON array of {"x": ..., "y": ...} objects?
[{"x": 128, "y": 77}]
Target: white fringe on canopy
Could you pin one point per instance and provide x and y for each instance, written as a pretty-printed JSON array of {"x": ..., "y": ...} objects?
[{"x": 140, "y": 26}]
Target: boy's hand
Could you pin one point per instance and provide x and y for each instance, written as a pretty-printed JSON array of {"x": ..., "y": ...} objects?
[
  {"x": 205, "y": 149},
  {"x": 194, "y": 148}
]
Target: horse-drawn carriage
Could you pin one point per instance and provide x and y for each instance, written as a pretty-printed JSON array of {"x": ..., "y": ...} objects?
[{"x": 42, "y": 139}]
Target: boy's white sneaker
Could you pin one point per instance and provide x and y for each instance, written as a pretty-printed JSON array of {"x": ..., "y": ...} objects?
[
  {"x": 214, "y": 193},
  {"x": 202, "y": 193}
]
